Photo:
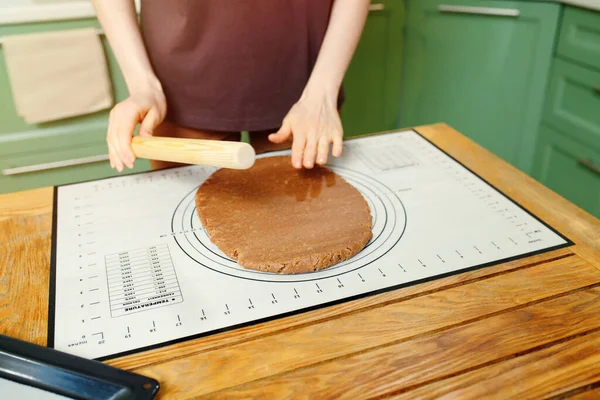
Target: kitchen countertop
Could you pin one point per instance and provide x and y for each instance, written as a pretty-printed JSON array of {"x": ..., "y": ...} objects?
[
  {"x": 523, "y": 329},
  {"x": 56, "y": 10},
  {"x": 590, "y": 4}
]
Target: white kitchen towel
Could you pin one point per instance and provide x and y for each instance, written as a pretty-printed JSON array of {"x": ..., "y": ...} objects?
[{"x": 57, "y": 74}]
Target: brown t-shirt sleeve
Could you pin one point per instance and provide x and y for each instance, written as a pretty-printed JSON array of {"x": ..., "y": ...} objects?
[{"x": 233, "y": 65}]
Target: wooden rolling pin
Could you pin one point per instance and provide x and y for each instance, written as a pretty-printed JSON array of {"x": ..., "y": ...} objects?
[{"x": 217, "y": 153}]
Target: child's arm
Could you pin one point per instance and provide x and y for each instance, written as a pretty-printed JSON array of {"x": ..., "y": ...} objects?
[
  {"x": 314, "y": 121},
  {"x": 146, "y": 104}
]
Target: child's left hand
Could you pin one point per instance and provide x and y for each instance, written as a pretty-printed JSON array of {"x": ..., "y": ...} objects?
[{"x": 314, "y": 124}]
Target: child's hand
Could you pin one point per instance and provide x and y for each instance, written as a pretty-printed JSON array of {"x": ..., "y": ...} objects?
[
  {"x": 314, "y": 123},
  {"x": 148, "y": 108}
]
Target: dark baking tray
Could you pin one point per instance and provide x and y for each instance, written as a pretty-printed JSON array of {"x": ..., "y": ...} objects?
[{"x": 69, "y": 375}]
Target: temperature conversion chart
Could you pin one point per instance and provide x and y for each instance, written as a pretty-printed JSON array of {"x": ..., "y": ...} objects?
[{"x": 134, "y": 269}]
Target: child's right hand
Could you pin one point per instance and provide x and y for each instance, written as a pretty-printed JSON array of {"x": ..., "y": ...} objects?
[{"x": 147, "y": 107}]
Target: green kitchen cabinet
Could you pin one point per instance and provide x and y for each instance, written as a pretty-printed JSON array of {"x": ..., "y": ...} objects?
[
  {"x": 482, "y": 68},
  {"x": 580, "y": 36},
  {"x": 372, "y": 82},
  {"x": 568, "y": 153},
  {"x": 573, "y": 101},
  {"x": 570, "y": 168},
  {"x": 58, "y": 152}
]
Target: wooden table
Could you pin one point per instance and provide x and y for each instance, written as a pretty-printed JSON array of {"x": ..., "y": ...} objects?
[{"x": 524, "y": 329}]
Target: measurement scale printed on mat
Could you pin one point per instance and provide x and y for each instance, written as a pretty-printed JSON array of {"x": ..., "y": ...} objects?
[{"x": 133, "y": 268}]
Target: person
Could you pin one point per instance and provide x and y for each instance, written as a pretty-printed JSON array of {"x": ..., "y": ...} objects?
[{"x": 211, "y": 69}]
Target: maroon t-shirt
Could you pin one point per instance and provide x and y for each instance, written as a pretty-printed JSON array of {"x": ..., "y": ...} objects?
[{"x": 233, "y": 65}]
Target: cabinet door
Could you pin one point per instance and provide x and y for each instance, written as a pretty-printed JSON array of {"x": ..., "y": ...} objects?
[
  {"x": 481, "y": 67},
  {"x": 573, "y": 101},
  {"x": 580, "y": 36},
  {"x": 46, "y": 147},
  {"x": 570, "y": 168},
  {"x": 372, "y": 82}
]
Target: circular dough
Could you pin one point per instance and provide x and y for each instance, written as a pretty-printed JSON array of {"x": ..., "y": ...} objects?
[{"x": 275, "y": 218}]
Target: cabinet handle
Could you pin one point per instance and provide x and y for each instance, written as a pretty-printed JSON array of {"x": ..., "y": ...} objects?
[
  {"x": 53, "y": 165},
  {"x": 589, "y": 164},
  {"x": 377, "y": 7},
  {"x": 498, "y": 12}
]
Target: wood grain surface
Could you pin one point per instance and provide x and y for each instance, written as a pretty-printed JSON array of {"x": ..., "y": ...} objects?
[
  {"x": 525, "y": 329},
  {"x": 549, "y": 371},
  {"x": 370, "y": 330},
  {"x": 27, "y": 204},
  {"x": 24, "y": 271},
  {"x": 438, "y": 355},
  {"x": 589, "y": 392}
]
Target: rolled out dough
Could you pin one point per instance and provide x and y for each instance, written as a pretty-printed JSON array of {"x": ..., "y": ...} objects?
[{"x": 274, "y": 218}]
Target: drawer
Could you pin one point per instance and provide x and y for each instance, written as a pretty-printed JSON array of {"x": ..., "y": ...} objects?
[
  {"x": 569, "y": 168},
  {"x": 573, "y": 101},
  {"x": 57, "y": 156},
  {"x": 580, "y": 36}
]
